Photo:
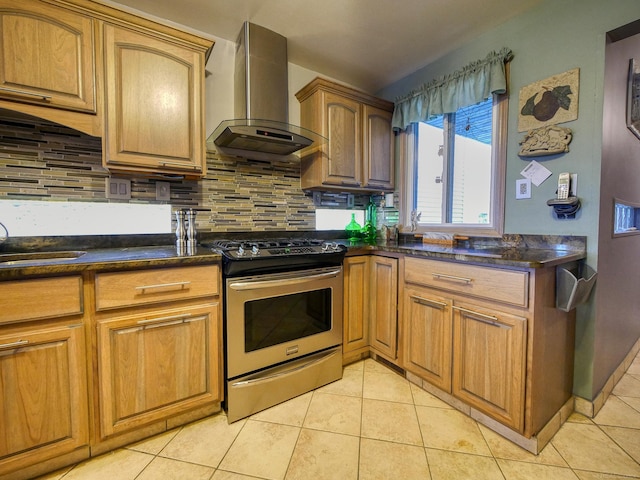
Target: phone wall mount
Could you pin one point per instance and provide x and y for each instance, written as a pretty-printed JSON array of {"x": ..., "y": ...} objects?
[{"x": 565, "y": 208}]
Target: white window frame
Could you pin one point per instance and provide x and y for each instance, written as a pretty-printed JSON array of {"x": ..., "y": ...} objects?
[{"x": 407, "y": 153}]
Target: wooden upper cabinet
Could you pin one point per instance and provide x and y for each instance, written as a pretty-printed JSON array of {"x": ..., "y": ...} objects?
[
  {"x": 344, "y": 152},
  {"x": 378, "y": 148},
  {"x": 154, "y": 95},
  {"x": 46, "y": 56},
  {"x": 358, "y": 154}
]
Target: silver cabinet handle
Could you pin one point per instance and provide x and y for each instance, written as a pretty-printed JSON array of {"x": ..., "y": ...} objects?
[
  {"x": 19, "y": 343},
  {"x": 180, "y": 165},
  {"x": 167, "y": 321},
  {"x": 25, "y": 93},
  {"x": 175, "y": 285},
  {"x": 481, "y": 317},
  {"x": 428, "y": 302},
  {"x": 442, "y": 276}
]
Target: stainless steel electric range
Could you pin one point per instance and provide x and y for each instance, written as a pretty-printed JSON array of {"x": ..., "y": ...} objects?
[{"x": 282, "y": 320}]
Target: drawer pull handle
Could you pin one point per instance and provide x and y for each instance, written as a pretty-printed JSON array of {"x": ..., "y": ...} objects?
[
  {"x": 180, "y": 165},
  {"x": 481, "y": 317},
  {"x": 19, "y": 343},
  {"x": 174, "y": 286},
  {"x": 442, "y": 276},
  {"x": 46, "y": 98},
  {"x": 429, "y": 303},
  {"x": 165, "y": 321}
]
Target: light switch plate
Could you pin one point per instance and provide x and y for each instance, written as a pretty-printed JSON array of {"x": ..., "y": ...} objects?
[
  {"x": 573, "y": 192},
  {"x": 523, "y": 188},
  {"x": 118, "y": 188},
  {"x": 351, "y": 200},
  {"x": 163, "y": 191}
]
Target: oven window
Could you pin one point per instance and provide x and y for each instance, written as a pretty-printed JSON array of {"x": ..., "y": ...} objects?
[{"x": 274, "y": 320}]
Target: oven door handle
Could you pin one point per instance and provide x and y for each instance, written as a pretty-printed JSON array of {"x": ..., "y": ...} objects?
[{"x": 257, "y": 284}]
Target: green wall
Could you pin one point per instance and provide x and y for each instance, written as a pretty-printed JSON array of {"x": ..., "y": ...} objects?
[{"x": 554, "y": 37}]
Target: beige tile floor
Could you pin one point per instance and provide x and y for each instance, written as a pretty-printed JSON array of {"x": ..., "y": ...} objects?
[{"x": 373, "y": 424}]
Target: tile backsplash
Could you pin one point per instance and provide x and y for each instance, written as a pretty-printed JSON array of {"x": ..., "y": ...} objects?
[{"x": 45, "y": 161}]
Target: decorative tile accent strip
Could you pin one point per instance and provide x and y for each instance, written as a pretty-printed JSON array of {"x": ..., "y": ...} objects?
[{"x": 44, "y": 161}]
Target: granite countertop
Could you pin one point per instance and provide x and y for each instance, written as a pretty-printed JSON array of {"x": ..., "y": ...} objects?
[
  {"x": 102, "y": 259},
  {"x": 509, "y": 256},
  {"x": 129, "y": 252}
]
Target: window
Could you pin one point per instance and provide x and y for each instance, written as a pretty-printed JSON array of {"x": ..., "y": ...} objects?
[
  {"x": 28, "y": 218},
  {"x": 455, "y": 166},
  {"x": 626, "y": 218}
]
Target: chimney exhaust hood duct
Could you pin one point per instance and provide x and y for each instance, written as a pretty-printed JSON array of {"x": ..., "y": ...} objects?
[{"x": 261, "y": 99}]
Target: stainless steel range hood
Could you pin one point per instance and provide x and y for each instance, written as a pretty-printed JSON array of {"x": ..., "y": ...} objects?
[{"x": 261, "y": 99}]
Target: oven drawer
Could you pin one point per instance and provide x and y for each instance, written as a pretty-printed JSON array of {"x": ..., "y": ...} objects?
[
  {"x": 508, "y": 286},
  {"x": 131, "y": 288}
]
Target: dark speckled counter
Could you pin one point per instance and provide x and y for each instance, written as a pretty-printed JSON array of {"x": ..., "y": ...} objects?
[
  {"x": 146, "y": 251},
  {"x": 108, "y": 259},
  {"x": 519, "y": 251}
]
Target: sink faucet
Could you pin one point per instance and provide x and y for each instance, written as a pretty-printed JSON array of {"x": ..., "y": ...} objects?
[
  {"x": 415, "y": 218},
  {"x": 5, "y": 235}
]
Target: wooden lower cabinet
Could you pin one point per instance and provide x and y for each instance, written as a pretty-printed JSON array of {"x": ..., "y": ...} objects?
[
  {"x": 43, "y": 396},
  {"x": 489, "y": 355},
  {"x": 156, "y": 364},
  {"x": 383, "y": 309},
  {"x": 428, "y": 336},
  {"x": 355, "y": 327},
  {"x": 370, "y": 305},
  {"x": 491, "y": 338}
]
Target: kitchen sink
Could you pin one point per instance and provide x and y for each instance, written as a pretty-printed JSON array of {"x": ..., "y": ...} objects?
[{"x": 23, "y": 258}]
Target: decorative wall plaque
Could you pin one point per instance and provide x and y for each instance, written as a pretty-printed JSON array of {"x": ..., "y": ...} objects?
[
  {"x": 550, "y": 101},
  {"x": 549, "y": 140}
]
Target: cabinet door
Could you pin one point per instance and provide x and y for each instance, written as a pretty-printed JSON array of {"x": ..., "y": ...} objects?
[
  {"x": 378, "y": 165},
  {"x": 43, "y": 395},
  {"x": 427, "y": 332},
  {"x": 383, "y": 313},
  {"x": 489, "y": 357},
  {"x": 343, "y": 126},
  {"x": 356, "y": 303},
  {"x": 154, "y": 115},
  {"x": 46, "y": 56},
  {"x": 157, "y": 364}
]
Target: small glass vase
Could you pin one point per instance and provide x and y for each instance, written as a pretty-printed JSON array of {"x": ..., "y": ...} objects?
[{"x": 353, "y": 229}]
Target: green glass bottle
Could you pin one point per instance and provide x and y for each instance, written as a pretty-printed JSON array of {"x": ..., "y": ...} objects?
[
  {"x": 353, "y": 229},
  {"x": 369, "y": 231}
]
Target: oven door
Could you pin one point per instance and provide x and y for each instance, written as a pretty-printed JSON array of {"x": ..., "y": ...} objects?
[{"x": 274, "y": 318}]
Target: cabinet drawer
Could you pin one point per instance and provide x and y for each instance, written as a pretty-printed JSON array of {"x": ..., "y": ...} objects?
[
  {"x": 40, "y": 298},
  {"x": 508, "y": 286},
  {"x": 123, "y": 289}
]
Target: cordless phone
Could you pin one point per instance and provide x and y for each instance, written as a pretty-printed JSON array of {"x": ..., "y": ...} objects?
[{"x": 563, "y": 186}]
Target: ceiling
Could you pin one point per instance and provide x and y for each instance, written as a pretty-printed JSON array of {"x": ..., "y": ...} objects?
[{"x": 367, "y": 43}]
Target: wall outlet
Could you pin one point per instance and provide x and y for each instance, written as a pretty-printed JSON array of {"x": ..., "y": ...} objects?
[
  {"x": 163, "y": 191},
  {"x": 317, "y": 198},
  {"x": 118, "y": 188},
  {"x": 351, "y": 200}
]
